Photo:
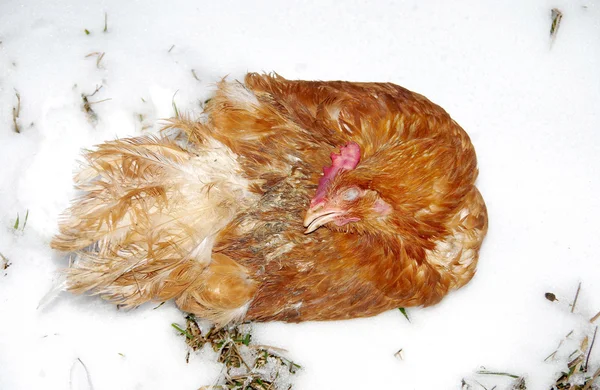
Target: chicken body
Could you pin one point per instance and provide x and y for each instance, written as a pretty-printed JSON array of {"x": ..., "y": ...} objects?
[{"x": 232, "y": 216}]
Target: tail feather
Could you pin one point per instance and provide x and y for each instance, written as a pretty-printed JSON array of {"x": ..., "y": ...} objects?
[{"x": 151, "y": 207}]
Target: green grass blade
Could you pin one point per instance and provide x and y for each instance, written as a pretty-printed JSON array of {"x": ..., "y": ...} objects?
[
  {"x": 182, "y": 331},
  {"x": 404, "y": 313}
]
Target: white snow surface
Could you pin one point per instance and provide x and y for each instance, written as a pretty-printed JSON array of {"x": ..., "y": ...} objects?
[{"x": 531, "y": 109}]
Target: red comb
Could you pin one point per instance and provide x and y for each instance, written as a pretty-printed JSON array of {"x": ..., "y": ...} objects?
[{"x": 346, "y": 160}]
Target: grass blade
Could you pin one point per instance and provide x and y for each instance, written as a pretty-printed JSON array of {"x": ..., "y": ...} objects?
[
  {"x": 25, "y": 221},
  {"x": 182, "y": 331},
  {"x": 404, "y": 313}
]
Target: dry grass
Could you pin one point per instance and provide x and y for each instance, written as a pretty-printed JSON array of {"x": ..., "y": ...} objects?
[
  {"x": 556, "y": 19},
  {"x": 16, "y": 111},
  {"x": 87, "y": 105},
  {"x": 575, "y": 299},
  {"x": 194, "y": 75},
  {"x": 99, "y": 56},
  {"x": 246, "y": 366},
  {"x": 175, "y": 109},
  {"x": 4, "y": 263},
  {"x": 578, "y": 374},
  {"x": 507, "y": 380}
]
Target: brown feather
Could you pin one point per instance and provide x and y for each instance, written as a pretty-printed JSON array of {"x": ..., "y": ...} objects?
[{"x": 233, "y": 247}]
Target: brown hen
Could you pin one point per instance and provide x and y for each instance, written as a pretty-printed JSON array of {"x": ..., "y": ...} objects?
[{"x": 288, "y": 200}]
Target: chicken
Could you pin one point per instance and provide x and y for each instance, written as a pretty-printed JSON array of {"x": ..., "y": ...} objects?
[{"x": 287, "y": 200}]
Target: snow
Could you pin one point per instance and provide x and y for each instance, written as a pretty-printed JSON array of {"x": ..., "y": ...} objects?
[{"x": 532, "y": 110}]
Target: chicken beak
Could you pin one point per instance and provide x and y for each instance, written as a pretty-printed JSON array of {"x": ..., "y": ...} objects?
[{"x": 317, "y": 217}]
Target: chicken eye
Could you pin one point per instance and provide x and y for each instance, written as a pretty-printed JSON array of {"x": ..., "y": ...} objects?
[{"x": 350, "y": 194}]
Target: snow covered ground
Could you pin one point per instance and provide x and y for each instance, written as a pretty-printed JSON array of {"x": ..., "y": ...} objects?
[{"x": 532, "y": 110}]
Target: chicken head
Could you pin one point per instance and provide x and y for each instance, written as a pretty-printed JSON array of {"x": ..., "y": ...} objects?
[{"x": 339, "y": 202}]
